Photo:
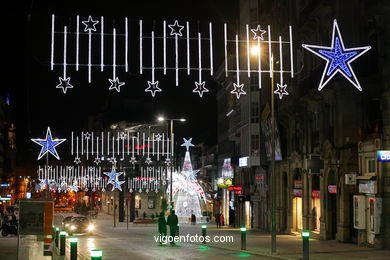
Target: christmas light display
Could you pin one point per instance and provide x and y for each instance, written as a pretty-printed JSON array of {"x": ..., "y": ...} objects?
[
  {"x": 258, "y": 33},
  {"x": 338, "y": 58},
  {"x": 48, "y": 145}
]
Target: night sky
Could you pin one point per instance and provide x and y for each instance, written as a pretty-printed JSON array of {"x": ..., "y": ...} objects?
[{"x": 35, "y": 103}]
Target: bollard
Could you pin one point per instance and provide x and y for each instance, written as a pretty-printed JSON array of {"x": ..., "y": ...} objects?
[
  {"x": 96, "y": 254},
  {"x": 56, "y": 236},
  {"x": 305, "y": 239},
  {"x": 73, "y": 248},
  {"x": 243, "y": 238},
  {"x": 62, "y": 242},
  {"x": 204, "y": 228}
]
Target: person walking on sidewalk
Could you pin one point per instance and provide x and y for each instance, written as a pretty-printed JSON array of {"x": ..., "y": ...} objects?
[
  {"x": 217, "y": 218},
  {"x": 221, "y": 221},
  {"x": 162, "y": 227},
  {"x": 172, "y": 222}
]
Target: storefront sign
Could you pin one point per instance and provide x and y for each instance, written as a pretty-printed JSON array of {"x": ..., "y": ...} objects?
[
  {"x": 332, "y": 189},
  {"x": 235, "y": 188},
  {"x": 297, "y": 192},
  {"x": 384, "y": 156},
  {"x": 259, "y": 178},
  {"x": 315, "y": 194},
  {"x": 367, "y": 187},
  {"x": 227, "y": 169},
  {"x": 5, "y": 198},
  {"x": 298, "y": 184},
  {"x": 4, "y": 185},
  {"x": 243, "y": 161}
]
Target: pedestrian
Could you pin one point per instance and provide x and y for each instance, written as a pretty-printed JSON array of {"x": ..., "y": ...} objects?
[
  {"x": 162, "y": 227},
  {"x": 172, "y": 222},
  {"x": 221, "y": 221},
  {"x": 217, "y": 219},
  {"x": 193, "y": 219}
]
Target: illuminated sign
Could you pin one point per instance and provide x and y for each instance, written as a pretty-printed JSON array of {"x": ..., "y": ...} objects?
[
  {"x": 315, "y": 194},
  {"x": 384, "y": 156},
  {"x": 235, "y": 188},
  {"x": 4, "y": 185},
  {"x": 243, "y": 161},
  {"x": 28, "y": 195},
  {"x": 7, "y": 198},
  {"x": 332, "y": 189},
  {"x": 297, "y": 192}
]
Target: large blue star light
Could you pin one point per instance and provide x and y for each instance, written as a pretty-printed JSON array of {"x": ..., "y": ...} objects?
[
  {"x": 48, "y": 144},
  {"x": 187, "y": 143},
  {"x": 338, "y": 58},
  {"x": 113, "y": 179}
]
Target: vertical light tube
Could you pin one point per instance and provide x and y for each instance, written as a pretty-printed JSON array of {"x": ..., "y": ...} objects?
[
  {"x": 165, "y": 46},
  {"x": 211, "y": 48},
  {"x": 176, "y": 60},
  {"x": 269, "y": 51},
  {"x": 281, "y": 61},
  {"x": 52, "y": 42},
  {"x": 259, "y": 60},
  {"x": 102, "y": 44},
  {"x": 291, "y": 52},
  {"x": 200, "y": 58},
  {"x": 237, "y": 62},
  {"x": 77, "y": 42},
  {"x": 65, "y": 40},
  {"x": 188, "y": 48},
  {"x": 140, "y": 47},
  {"x": 89, "y": 55},
  {"x": 113, "y": 53},
  {"x": 248, "y": 51},
  {"x": 71, "y": 145},
  {"x": 225, "y": 44},
  {"x": 126, "y": 45},
  {"x": 153, "y": 57}
]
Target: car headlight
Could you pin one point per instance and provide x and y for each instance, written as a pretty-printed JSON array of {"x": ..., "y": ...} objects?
[
  {"x": 90, "y": 227},
  {"x": 66, "y": 225},
  {"x": 73, "y": 227}
]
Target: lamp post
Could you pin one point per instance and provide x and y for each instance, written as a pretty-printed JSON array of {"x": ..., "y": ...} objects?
[{"x": 160, "y": 119}]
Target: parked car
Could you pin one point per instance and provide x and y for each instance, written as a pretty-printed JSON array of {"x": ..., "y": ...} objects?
[{"x": 66, "y": 221}]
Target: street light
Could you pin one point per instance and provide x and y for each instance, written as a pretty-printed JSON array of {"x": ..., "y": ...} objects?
[{"x": 160, "y": 119}]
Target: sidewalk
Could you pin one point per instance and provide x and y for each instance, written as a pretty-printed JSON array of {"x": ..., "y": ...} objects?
[{"x": 259, "y": 243}]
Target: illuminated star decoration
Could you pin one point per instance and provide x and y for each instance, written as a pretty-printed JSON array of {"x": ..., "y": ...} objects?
[
  {"x": 97, "y": 161},
  {"x": 148, "y": 160},
  {"x": 113, "y": 175},
  {"x": 200, "y": 88},
  {"x": 133, "y": 160},
  {"x": 117, "y": 185},
  {"x": 87, "y": 135},
  {"x": 158, "y": 137},
  {"x": 90, "y": 24},
  {"x": 187, "y": 143},
  {"x": 77, "y": 160},
  {"x": 167, "y": 161},
  {"x": 281, "y": 90},
  {"x": 64, "y": 84},
  {"x": 48, "y": 144},
  {"x": 116, "y": 84},
  {"x": 338, "y": 58},
  {"x": 238, "y": 90},
  {"x": 112, "y": 160},
  {"x": 258, "y": 33},
  {"x": 176, "y": 28},
  {"x": 153, "y": 88}
]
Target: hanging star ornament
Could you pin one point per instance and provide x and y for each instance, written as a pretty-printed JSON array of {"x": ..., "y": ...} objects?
[
  {"x": 90, "y": 24},
  {"x": 116, "y": 84},
  {"x": 200, "y": 89},
  {"x": 48, "y": 144},
  {"x": 97, "y": 161},
  {"x": 113, "y": 175},
  {"x": 153, "y": 88},
  {"x": 281, "y": 91},
  {"x": 117, "y": 185},
  {"x": 187, "y": 143},
  {"x": 176, "y": 28},
  {"x": 258, "y": 33},
  {"x": 64, "y": 84},
  {"x": 238, "y": 90},
  {"x": 338, "y": 58}
]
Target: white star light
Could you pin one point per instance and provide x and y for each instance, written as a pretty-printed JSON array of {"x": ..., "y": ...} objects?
[
  {"x": 187, "y": 143},
  {"x": 167, "y": 161},
  {"x": 238, "y": 90},
  {"x": 77, "y": 160},
  {"x": 48, "y": 144},
  {"x": 338, "y": 58},
  {"x": 64, "y": 84},
  {"x": 113, "y": 175},
  {"x": 153, "y": 88},
  {"x": 158, "y": 137},
  {"x": 133, "y": 160},
  {"x": 200, "y": 88},
  {"x": 97, "y": 161},
  {"x": 258, "y": 33},
  {"x": 281, "y": 90},
  {"x": 148, "y": 160},
  {"x": 176, "y": 28},
  {"x": 116, "y": 84},
  {"x": 90, "y": 24}
]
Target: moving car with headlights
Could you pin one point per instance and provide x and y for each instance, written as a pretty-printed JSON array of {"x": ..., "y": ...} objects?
[{"x": 79, "y": 225}]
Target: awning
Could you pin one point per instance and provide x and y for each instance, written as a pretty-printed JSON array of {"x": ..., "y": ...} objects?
[{"x": 366, "y": 177}]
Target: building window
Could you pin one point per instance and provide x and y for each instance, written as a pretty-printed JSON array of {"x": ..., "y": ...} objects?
[
  {"x": 253, "y": 16},
  {"x": 370, "y": 163},
  {"x": 255, "y": 112},
  {"x": 255, "y": 145}
]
